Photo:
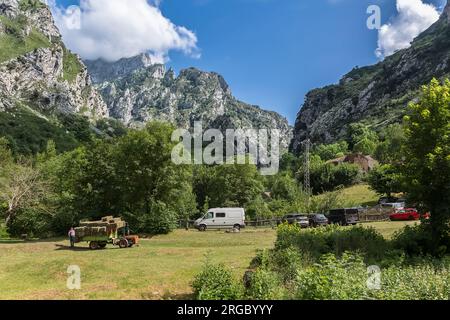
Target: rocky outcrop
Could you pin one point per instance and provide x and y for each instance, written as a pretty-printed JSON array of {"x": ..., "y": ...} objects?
[
  {"x": 150, "y": 92},
  {"x": 377, "y": 95},
  {"x": 101, "y": 70},
  {"x": 9, "y": 8},
  {"x": 43, "y": 74}
]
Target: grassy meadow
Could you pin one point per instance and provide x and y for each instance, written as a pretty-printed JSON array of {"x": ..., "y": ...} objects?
[{"x": 160, "y": 268}]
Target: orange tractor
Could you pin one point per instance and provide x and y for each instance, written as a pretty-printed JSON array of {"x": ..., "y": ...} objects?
[{"x": 108, "y": 230}]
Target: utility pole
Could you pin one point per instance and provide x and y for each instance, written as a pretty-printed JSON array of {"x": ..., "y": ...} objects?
[{"x": 307, "y": 168}]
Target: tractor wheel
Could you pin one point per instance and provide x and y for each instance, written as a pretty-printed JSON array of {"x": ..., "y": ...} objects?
[
  {"x": 123, "y": 243},
  {"x": 93, "y": 245}
]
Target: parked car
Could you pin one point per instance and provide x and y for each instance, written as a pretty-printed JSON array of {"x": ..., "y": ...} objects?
[
  {"x": 384, "y": 200},
  {"x": 402, "y": 214},
  {"x": 221, "y": 218},
  {"x": 317, "y": 220},
  {"x": 300, "y": 219},
  {"x": 344, "y": 217}
]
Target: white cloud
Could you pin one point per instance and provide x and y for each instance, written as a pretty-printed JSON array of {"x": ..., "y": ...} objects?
[
  {"x": 114, "y": 29},
  {"x": 413, "y": 17}
]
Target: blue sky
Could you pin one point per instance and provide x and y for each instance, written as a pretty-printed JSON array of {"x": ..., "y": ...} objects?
[{"x": 272, "y": 52}]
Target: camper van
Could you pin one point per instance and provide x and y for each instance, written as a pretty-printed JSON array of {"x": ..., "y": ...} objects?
[{"x": 222, "y": 218}]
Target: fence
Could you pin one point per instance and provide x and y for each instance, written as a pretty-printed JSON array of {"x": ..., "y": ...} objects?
[{"x": 373, "y": 214}]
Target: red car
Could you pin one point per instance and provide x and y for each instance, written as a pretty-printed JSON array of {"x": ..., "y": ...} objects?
[{"x": 407, "y": 214}]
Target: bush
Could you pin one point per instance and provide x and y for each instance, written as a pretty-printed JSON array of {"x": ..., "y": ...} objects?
[
  {"x": 333, "y": 279},
  {"x": 346, "y": 279},
  {"x": 3, "y": 232},
  {"x": 160, "y": 220},
  {"x": 424, "y": 281},
  {"x": 216, "y": 282},
  {"x": 265, "y": 285},
  {"x": 327, "y": 176},
  {"x": 285, "y": 262},
  {"x": 333, "y": 239},
  {"x": 417, "y": 240},
  {"x": 32, "y": 222}
]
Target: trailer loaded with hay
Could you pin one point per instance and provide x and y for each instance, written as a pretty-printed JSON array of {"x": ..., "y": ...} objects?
[{"x": 110, "y": 230}]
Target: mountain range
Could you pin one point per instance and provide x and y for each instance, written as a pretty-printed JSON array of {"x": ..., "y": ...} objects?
[
  {"x": 44, "y": 83},
  {"x": 48, "y": 92},
  {"x": 376, "y": 95}
]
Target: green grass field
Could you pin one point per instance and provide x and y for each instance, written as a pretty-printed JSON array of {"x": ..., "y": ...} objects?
[
  {"x": 160, "y": 268},
  {"x": 358, "y": 195}
]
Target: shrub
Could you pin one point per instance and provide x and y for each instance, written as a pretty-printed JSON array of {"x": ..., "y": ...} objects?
[
  {"x": 333, "y": 239},
  {"x": 31, "y": 221},
  {"x": 346, "y": 279},
  {"x": 285, "y": 262},
  {"x": 160, "y": 220},
  {"x": 417, "y": 240},
  {"x": 327, "y": 176},
  {"x": 416, "y": 282},
  {"x": 216, "y": 282},
  {"x": 333, "y": 279},
  {"x": 265, "y": 285},
  {"x": 3, "y": 232}
]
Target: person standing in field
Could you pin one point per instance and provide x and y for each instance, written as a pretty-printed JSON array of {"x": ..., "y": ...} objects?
[{"x": 72, "y": 237}]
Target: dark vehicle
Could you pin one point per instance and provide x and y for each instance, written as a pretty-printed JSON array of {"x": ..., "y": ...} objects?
[
  {"x": 317, "y": 220},
  {"x": 344, "y": 217},
  {"x": 295, "y": 218}
]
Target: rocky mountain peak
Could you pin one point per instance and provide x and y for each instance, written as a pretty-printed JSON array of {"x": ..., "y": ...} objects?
[
  {"x": 136, "y": 94},
  {"x": 39, "y": 71},
  {"x": 446, "y": 12},
  {"x": 9, "y": 8},
  {"x": 102, "y": 70}
]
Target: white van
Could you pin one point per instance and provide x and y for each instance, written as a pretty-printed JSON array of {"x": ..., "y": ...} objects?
[{"x": 222, "y": 218}]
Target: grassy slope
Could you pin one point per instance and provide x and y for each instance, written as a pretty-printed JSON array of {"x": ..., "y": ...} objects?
[
  {"x": 72, "y": 66},
  {"x": 358, "y": 195},
  {"x": 162, "y": 267},
  {"x": 13, "y": 44},
  {"x": 28, "y": 133}
]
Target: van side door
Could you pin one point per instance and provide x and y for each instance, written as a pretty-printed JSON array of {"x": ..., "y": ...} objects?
[{"x": 221, "y": 220}]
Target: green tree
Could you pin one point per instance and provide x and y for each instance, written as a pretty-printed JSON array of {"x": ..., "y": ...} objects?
[
  {"x": 365, "y": 146},
  {"x": 362, "y": 139},
  {"x": 257, "y": 208},
  {"x": 427, "y": 154},
  {"x": 385, "y": 180},
  {"x": 285, "y": 187},
  {"x": 389, "y": 151},
  {"x": 132, "y": 176},
  {"x": 147, "y": 177},
  {"x": 331, "y": 151},
  {"x": 235, "y": 185},
  {"x": 5, "y": 153}
]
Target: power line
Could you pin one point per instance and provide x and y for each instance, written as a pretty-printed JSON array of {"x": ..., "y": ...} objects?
[{"x": 307, "y": 169}]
